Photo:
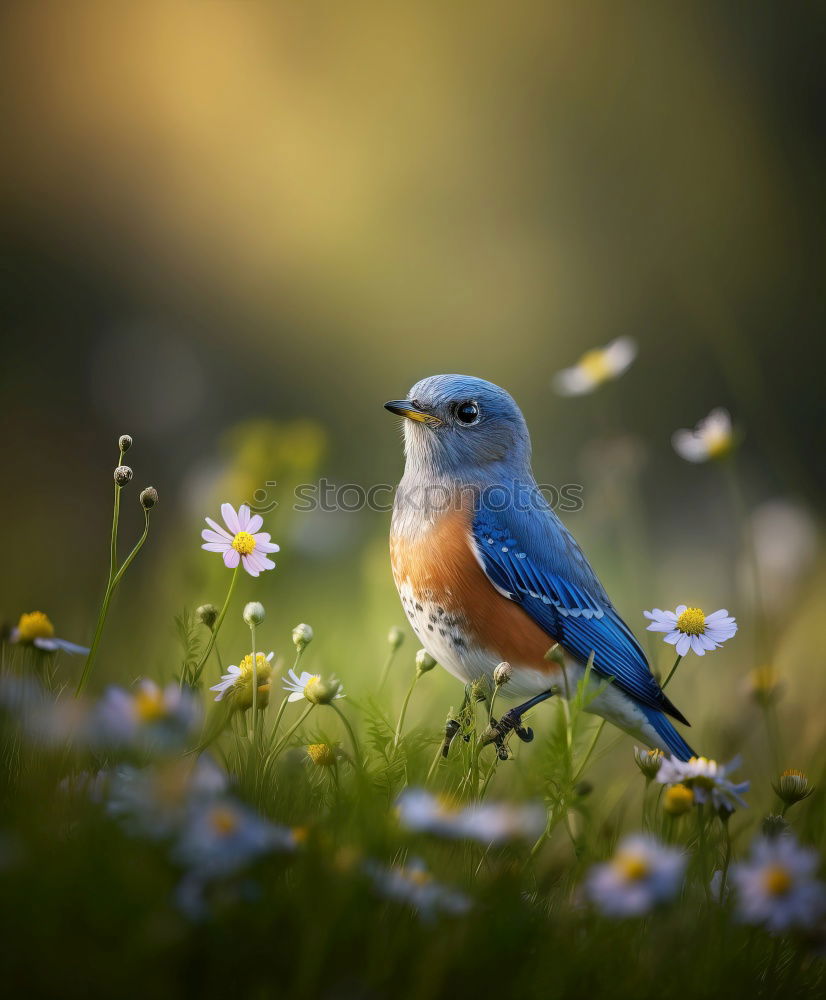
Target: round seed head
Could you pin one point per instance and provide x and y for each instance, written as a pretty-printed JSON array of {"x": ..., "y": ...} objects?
[{"x": 123, "y": 475}]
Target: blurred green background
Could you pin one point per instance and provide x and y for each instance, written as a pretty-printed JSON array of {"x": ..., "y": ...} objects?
[{"x": 233, "y": 229}]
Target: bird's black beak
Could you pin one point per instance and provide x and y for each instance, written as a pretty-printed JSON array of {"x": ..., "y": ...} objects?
[{"x": 404, "y": 408}]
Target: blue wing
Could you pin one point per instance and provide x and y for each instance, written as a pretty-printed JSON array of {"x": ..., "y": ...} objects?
[{"x": 531, "y": 558}]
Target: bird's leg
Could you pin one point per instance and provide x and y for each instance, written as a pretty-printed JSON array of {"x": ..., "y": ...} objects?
[
  {"x": 455, "y": 722},
  {"x": 511, "y": 721}
]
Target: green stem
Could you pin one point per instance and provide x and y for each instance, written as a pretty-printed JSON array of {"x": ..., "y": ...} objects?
[
  {"x": 432, "y": 769},
  {"x": 113, "y": 545},
  {"x": 283, "y": 742},
  {"x": 588, "y": 752},
  {"x": 742, "y": 514},
  {"x": 350, "y": 733},
  {"x": 671, "y": 672},
  {"x": 726, "y": 857},
  {"x": 111, "y": 585},
  {"x": 281, "y": 709},
  {"x": 386, "y": 671},
  {"x": 138, "y": 546},
  {"x": 403, "y": 712},
  {"x": 196, "y": 674}
]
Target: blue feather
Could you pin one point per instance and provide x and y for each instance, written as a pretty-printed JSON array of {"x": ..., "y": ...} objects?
[{"x": 530, "y": 556}]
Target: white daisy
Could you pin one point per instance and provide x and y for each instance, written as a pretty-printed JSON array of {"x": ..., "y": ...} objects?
[
  {"x": 691, "y": 629},
  {"x": 777, "y": 887},
  {"x": 595, "y": 367},
  {"x": 243, "y": 542},
  {"x": 488, "y": 823},
  {"x": 236, "y": 683},
  {"x": 711, "y": 438},
  {"x": 35, "y": 629},
  {"x": 642, "y": 873},
  {"x": 707, "y": 779},
  {"x": 312, "y": 687}
]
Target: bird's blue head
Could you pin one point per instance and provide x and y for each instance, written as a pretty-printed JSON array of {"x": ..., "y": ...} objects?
[{"x": 457, "y": 426}]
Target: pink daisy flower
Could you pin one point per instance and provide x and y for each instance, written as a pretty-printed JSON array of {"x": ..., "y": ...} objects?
[{"x": 243, "y": 542}]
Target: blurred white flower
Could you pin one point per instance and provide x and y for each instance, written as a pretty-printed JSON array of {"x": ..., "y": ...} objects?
[
  {"x": 415, "y": 886},
  {"x": 146, "y": 717},
  {"x": 155, "y": 801},
  {"x": 236, "y": 683},
  {"x": 777, "y": 887},
  {"x": 243, "y": 542},
  {"x": 785, "y": 546},
  {"x": 221, "y": 836},
  {"x": 312, "y": 687},
  {"x": 43, "y": 718},
  {"x": 488, "y": 823},
  {"x": 642, "y": 873},
  {"x": 595, "y": 367},
  {"x": 707, "y": 780},
  {"x": 691, "y": 629},
  {"x": 36, "y": 629},
  {"x": 712, "y": 438}
]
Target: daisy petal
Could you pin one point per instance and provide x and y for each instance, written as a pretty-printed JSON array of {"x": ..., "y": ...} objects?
[
  {"x": 231, "y": 518},
  {"x": 231, "y": 558},
  {"x": 217, "y": 528}
]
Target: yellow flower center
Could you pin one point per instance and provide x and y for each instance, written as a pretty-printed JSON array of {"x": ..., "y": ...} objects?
[
  {"x": 263, "y": 668},
  {"x": 243, "y": 543},
  {"x": 224, "y": 821},
  {"x": 632, "y": 867},
  {"x": 792, "y": 772},
  {"x": 595, "y": 365},
  {"x": 678, "y": 800},
  {"x": 719, "y": 444},
  {"x": 417, "y": 876},
  {"x": 692, "y": 622},
  {"x": 776, "y": 880},
  {"x": 321, "y": 754},
  {"x": 149, "y": 706},
  {"x": 34, "y": 625}
]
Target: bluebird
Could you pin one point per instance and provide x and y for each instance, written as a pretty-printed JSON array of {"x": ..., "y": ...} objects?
[{"x": 487, "y": 572}]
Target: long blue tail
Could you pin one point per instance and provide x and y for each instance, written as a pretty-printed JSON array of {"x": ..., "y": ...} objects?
[{"x": 671, "y": 739}]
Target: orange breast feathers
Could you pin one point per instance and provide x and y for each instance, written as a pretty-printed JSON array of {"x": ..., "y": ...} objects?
[{"x": 440, "y": 566}]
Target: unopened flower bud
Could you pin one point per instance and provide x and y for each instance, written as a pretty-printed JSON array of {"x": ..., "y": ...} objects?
[
  {"x": 124, "y": 442},
  {"x": 793, "y": 786},
  {"x": 123, "y": 475},
  {"x": 149, "y": 497},
  {"x": 207, "y": 614},
  {"x": 502, "y": 674},
  {"x": 302, "y": 636},
  {"x": 321, "y": 691},
  {"x": 424, "y": 662},
  {"x": 322, "y": 754},
  {"x": 678, "y": 799},
  {"x": 648, "y": 761},
  {"x": 395, "y": 637},
  {"x": 555, "y": 655},
  {"x": 254, "y": 613}
]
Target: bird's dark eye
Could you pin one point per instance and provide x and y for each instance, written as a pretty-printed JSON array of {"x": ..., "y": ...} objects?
[{"x": 467, "y": 413}]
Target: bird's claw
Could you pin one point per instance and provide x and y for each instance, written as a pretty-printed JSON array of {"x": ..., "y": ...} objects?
[
  {"x": 452, "y": 727},
  {"x": 497, "y": 732}
]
